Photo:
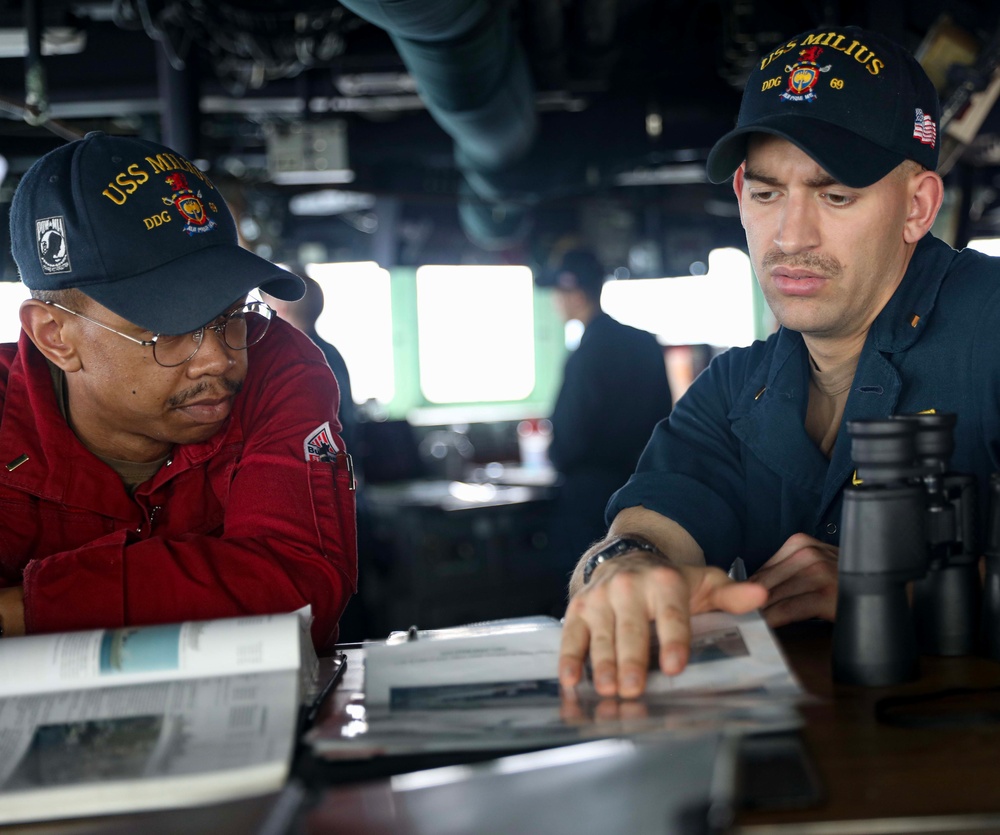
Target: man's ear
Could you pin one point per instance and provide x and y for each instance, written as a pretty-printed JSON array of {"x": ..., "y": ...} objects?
[
  {"x": 738, "y": 187},
  {"x": 926, "y": 195},
  {"x": 46, "y": 326}
]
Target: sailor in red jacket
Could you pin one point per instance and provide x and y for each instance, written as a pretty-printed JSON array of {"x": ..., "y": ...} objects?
[{"x": 168, "y": 450}]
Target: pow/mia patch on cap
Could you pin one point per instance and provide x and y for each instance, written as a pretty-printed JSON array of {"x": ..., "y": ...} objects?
[
  {"x": 319, "y": 445},
  {"x": 51, "y": 244}
]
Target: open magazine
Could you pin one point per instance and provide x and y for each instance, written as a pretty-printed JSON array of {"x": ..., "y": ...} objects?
[
  {"x": 493, "y": 686},
  {"x": 121, "y": 720}
]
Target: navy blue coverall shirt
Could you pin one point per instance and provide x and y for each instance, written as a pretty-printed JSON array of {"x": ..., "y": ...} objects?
[{"x": 734, "y": 466}]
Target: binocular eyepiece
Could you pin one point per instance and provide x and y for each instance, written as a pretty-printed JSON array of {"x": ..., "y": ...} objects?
[
  {"x": 905, "y": 519},
  {"x": 901, "y": 448}
]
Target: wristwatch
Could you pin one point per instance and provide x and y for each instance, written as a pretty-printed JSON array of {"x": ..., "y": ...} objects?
[{"x": 614, "y": 549}]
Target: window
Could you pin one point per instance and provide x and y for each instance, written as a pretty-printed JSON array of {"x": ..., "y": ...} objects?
[
  {"x": 475, "y": 333},
  {"x": 712, "y": 309},
  {"x": 357, "y": 320},
  {"x": 12, "y": 293},
  {"x": 990, "y": 246}
]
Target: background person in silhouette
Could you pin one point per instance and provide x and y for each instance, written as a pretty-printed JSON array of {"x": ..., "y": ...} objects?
[{"x": 614, "y": 392}]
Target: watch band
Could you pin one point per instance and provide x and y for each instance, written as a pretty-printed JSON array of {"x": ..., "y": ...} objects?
[{"x": 614, "y": 549}]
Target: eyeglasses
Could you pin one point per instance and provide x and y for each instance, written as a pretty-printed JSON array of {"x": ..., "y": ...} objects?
[{"x": 239, "y": 329}]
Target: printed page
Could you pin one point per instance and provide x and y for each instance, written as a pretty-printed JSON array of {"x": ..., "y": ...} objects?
[
  {"x": 728, "y": 653},
  {"x": 398, "y": 672},
  {"x": 476, "y": 694},
  {"x": 102, "y": 658},
  {"x": 504, "y": 626},
  {"x": 146, "y": 746}
]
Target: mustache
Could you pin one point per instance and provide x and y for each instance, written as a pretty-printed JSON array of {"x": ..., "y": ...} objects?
[
  {"x": 823, "y": 264},
  {"x": 232, "y": 387}
]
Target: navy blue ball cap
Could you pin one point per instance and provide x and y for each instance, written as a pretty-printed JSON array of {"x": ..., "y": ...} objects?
[
  {"x": 138, "y": 228},
  {"x": 856, "y": 102}
]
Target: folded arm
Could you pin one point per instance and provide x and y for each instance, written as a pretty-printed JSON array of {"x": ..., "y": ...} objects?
[{"x": 249, "y": 527}]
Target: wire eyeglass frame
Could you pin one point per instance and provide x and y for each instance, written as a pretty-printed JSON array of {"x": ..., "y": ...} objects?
[{"x": 261, "y": 311}]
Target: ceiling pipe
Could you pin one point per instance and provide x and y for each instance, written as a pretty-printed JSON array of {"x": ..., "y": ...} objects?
[
  {"x": 36, "y": 92},
  {"x": 595, "y": 24},
  {"x": 179, "y": 92},
  {"x": 473, "y": 76},
  {"x": 545, "y": 34}
]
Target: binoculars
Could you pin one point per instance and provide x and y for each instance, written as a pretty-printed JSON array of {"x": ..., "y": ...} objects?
[{"x": 907, "y": 519}]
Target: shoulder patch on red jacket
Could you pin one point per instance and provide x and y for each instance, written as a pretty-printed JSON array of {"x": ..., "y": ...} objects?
[{"x": 319, "y": 444}]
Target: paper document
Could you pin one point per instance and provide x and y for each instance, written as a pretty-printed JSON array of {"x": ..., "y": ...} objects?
[
  {"x": 473, "y": 689},
  {"x": 405, "y": 673},
  {"x": 177, "y": 715}
]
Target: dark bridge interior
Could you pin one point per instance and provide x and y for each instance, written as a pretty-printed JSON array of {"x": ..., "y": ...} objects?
[{"x": 462, "y": 131}]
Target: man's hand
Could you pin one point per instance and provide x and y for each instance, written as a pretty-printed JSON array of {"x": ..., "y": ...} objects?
[
  {"x": 12, "y": 611},
  {"x": 611, "y": 618},
  {"x": 801, "y": 579}
]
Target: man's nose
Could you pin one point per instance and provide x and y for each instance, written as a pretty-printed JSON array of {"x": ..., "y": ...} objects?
[
  {"x": 214, "y": 356},
  {"x": 798, "y": 226}
]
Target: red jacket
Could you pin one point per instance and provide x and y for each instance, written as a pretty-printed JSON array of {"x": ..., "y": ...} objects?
[{"x": 239, "y": 524}]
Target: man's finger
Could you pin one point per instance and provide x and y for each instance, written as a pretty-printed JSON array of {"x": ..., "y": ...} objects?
[
  {"x": 573, "y": 649},
  {"x": 631, "y": 633},
  {"x": 806, "y": 595},
  {"x": 800, "y": 607},
  {"x": 603, "y": 661},
  {"x": 736, "y": 598},
  {"x": 815, "y": 564},
  {"x": 593, "y": 610},
  {"x": 669, "y": 600},
  {"x": 712, "y": 590},
  {"x": 817, "y": 577},
  {"x": 794, "y": 544}
]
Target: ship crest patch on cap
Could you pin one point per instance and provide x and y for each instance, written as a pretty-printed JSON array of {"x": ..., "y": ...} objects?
[
  {"x": 53, "y": 249},
  {"x": 803, "y": 75},
  {"x": 189, "y": 205}
]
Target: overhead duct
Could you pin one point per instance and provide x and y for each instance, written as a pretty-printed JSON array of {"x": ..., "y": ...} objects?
[{"x": 473, "y": 76}]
